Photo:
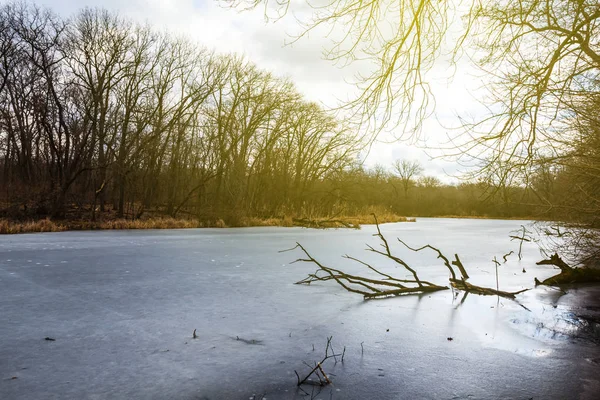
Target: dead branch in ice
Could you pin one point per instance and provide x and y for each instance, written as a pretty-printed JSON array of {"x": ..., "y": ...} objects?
[
  {"x": 317, "y": 370},
  {"x": 461, "y": 283},
  {"x": 249, "y": 341},
  {"x": 525, "y": 237},
  {"x": 567, "y": 273},
  {"x": 496, "y": 264},
  {"x": 370, "y": 288},
  {"x": 385, "y": 285},
  {"x": 505, "y": 257},
  {"x": 474, "y": 289}
]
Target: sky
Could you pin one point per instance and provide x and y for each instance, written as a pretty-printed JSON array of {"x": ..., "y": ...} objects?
[{"x": 265, "y": 43}]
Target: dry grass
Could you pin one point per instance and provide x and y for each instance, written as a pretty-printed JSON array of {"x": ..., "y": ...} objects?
[
  {"x": 47, "y": 225},
  {"x": 152, "y": 223},
  {"x": 42, "y": 225},
  {"x": 364, "y": 216},
  {"x": 218, "y": 224},
  {"x": 272, "y": 221}
]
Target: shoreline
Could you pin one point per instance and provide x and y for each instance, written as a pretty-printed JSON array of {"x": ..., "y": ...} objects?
[
  {"x": 44, "y": 225},
  {"x": 530, "y": 218}
]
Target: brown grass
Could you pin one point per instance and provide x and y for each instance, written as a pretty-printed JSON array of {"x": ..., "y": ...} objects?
[
  {"x": 152, "y": 223},
  {"x": 42, "y": 225},
  {"x": 47, "y": 225},
  {"x": 272, "y": 221}
]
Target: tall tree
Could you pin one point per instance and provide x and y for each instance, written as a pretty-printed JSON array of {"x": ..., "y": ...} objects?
[{"x": 407, "y": 171}]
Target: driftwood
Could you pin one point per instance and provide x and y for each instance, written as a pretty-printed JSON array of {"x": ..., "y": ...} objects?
[
  {"x": 386, "y": 285},
  {"x": 567, "y": 273},
  {"x": 323, "y": 223}
]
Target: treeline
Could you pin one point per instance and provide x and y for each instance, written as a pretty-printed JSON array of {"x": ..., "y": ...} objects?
[
  {"x": 415, "y": 194},
  {"x": 98, "y": 113}
]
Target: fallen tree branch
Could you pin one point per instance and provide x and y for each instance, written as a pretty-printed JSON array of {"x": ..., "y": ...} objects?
[
  {"x": 470, "y": 288},
  {"x": 462, "y": 284},
  {"x": 460, "y": 267},
  {"x": 386, "y": 285},
  {"x": 440, "y": 255},
  {"x": 323, "y": 223},
  {"x": 388, "y": 252},
  {"x": 567, "y": 273},
  {"x": 369, "y": 288},
  {"x": 557, "y": 262}
]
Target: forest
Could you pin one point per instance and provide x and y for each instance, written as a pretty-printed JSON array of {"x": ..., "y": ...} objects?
[{"x": 104, "y": 118}]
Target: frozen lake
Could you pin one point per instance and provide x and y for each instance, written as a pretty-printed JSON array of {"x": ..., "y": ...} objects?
[{"x": 122, "y": 306}]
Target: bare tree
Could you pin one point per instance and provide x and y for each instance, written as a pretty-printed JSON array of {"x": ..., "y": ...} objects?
[
  {"x": 535, "y": 53},
  {"x": 429, "y": 182},
  {"x": 96, "y": 48},
  {"x": 407, "y": 171},
  {"x": 51, "y": 98}
]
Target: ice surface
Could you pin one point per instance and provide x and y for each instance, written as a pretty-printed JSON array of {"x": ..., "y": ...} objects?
[{"x": 122, "y": 306}]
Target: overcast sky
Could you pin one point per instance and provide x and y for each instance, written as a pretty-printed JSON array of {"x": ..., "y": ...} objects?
[{"x": 226, "y": 30}]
